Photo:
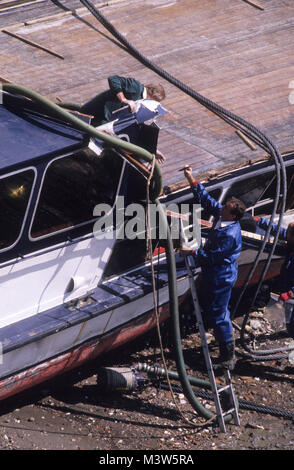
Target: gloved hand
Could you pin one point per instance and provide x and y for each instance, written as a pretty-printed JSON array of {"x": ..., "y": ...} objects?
[
  {"x": 186, "y": 251},
  {"x": 286, "y": 296}
]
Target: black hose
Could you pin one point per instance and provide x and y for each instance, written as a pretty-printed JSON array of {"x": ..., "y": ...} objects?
[
  {"x": 154, "y": 371},
  {"x": 243, "y": 404},
  {"x": 248, "y": 129}
]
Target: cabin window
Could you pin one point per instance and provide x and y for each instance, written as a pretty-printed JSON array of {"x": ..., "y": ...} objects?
[
  {"x": 251, "y": 190},
  {"x": 15, "y": 191},
  {"x": 126, "y": 254},
  {"x": 72, "y": 187},
  {"x": 265, "y": 202},
  {"x": 130, "y": 254}
]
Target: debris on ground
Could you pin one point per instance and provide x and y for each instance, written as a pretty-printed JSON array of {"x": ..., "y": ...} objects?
[{"x": 73, "y": 413}]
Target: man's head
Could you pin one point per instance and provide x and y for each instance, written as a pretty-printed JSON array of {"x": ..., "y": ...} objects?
[
  {"x": 233, "y": 209},
  {"x": 290, "y": 235},
  {"x": 155, "y": 92}
]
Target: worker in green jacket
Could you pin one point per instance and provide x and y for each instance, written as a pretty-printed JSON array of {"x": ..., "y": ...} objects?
[{"x": 122, "y": 91}]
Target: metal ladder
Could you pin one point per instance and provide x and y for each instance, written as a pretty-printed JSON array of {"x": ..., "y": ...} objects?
[{"x": 215, "y": 389}]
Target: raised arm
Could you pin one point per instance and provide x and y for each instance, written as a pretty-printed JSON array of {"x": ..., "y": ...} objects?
[{"x": 201, "y": 195}]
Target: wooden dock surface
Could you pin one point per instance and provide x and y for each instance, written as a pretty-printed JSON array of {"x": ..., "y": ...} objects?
[{"x": 239, "y": 56}]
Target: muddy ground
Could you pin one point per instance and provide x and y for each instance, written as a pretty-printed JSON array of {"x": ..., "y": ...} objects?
[{"x": 74, "y": 413}]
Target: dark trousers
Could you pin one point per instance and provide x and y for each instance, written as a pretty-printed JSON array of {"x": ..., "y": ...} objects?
[
  {"x": 95, "y": 106},
  {"x": 216, "y": 315}
]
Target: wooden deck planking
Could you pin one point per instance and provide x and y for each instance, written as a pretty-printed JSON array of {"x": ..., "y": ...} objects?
[{"x": 232, "y": 53}]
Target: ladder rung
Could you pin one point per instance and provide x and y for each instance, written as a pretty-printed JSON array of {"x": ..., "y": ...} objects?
[{"x": 232, "y": 410}]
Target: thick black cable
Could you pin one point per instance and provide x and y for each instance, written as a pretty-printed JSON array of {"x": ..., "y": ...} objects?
[
  {"x": 269, "y": 352},
  {"x": 235, "y": 121},
  {"x": 159, "y": 373}
]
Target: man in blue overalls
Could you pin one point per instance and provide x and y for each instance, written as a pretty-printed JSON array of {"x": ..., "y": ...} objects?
[
  {"x": 286, "y": 278},
  {"x": 218, "y": 261}
]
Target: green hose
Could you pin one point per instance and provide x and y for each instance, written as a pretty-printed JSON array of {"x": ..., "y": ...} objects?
[
  {"x": 56, "y": 111},
  {"x": 174, "y": 309},
  {"x": 155, "y": 371}
]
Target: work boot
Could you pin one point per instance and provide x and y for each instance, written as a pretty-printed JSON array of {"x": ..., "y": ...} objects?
[{"x": 227, "y": 358}]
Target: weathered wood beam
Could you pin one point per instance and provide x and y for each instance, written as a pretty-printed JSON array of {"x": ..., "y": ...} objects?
[
  {"x": 5, "y": 80},
  {"x": 254, "y": 4},
  {"x": 32, "y": 43},
  {"x": 246, "y": 140}
]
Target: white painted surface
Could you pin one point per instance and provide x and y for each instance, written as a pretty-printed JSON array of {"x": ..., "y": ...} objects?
[{"x": 45, "y": 280}]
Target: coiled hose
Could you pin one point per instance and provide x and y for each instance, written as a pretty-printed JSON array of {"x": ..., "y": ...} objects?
[{"x": 250, "y": 131}]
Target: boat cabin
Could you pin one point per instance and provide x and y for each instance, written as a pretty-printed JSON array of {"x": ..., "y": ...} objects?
[
  {"x": 51, "y": 178},
  {"x": 66, "y": 294}
]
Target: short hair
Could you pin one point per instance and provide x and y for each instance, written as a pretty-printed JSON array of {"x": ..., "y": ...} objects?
[
  {"x": 238, "y": 208},
  {"x": 156, "y": 91}
]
